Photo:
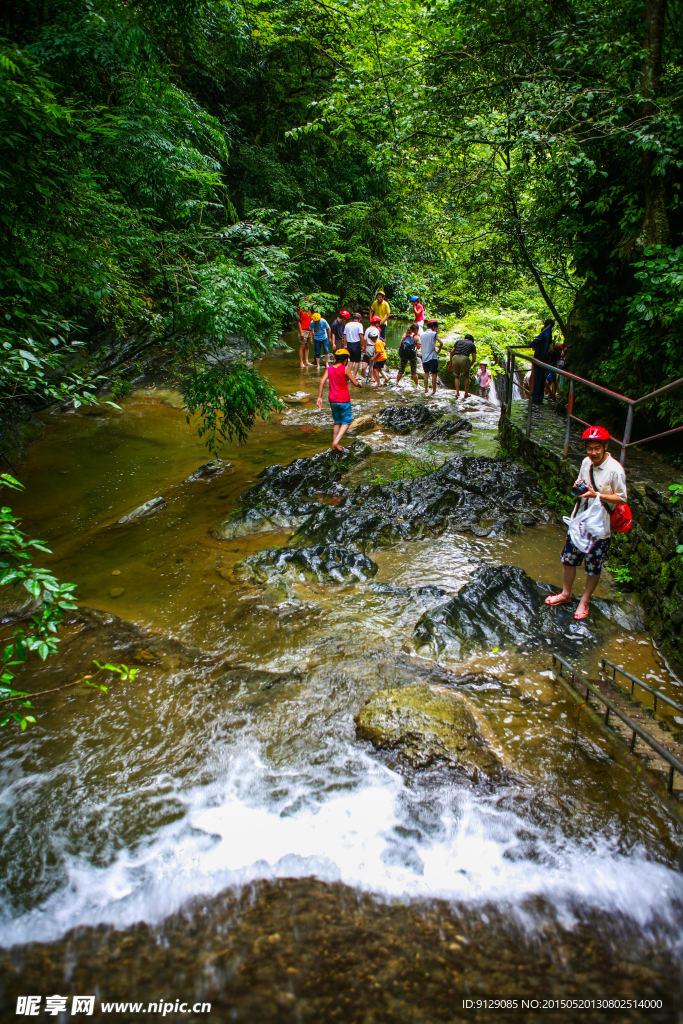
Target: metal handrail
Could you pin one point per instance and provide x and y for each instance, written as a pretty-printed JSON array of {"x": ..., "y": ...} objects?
[
  {"x": 636, "y": 730},
  {"x": 657, "y": 694},
  {"x": 631, "y": 403}
]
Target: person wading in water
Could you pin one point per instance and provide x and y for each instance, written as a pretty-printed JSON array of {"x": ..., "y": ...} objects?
[
  {"x": 603, "y": 477},
  {"x": 338, "y": 375},
  {"x": 430, "y": 345},
  {"x": 463, "y": 358},
  {"x": 304, "y": 324}
]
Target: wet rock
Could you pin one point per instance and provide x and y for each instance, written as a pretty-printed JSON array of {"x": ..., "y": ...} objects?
[
  {"x": 298, "y": 398},
  {"x": 281, "y": 499},
  {"x": 16, "y": 602},
  {"x": 323, "y": 563},
  {"x": 446, "y": 429},
  {"x": 209, "y": 469},
  {"x": 361, "y": 424},
  {"x": 501, "y": 605},
  {"x": 458, "y": 495},
  {"x": 426, "y": 726},
  {"x": 144, "y": 510},
  {"x": 276, "y": 515},
  {"x": 305, "y": 477},
  {"x": 403, "y": 419},
  {"x": 116, "y": 592}
]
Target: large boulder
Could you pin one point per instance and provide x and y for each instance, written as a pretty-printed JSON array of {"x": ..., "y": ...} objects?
[
  {"x": 500, "y": 606},
  {"x": 281, "y": 497},
  {"x": 323, "y": 563},
  {"x": 426, "y": 726},
  {"x": 305, "y": 477},
  {"x": 403, "y": 419},
  {"x": 458, "y": 495}
]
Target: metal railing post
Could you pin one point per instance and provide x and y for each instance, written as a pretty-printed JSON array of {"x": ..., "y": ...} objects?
[
  {"x": 627, "y": 434},
  {"x": 531, "y": 400},
  {"x": 570, "y": 407},
  {"x": 512, "y": 383}
]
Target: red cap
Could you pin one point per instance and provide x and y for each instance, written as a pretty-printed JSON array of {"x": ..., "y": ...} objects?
[
  {"x": 595, "y": 434},
  {"x": 345, "y": 313},
  {"x": 375, "y": 319}
]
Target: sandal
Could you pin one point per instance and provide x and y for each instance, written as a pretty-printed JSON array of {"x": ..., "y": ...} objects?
[
  {"x": 555, "y": 599},
  {"x": 579, "y": 615}
]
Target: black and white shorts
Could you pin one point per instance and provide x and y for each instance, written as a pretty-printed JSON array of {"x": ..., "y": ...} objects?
[{"x": 595, "y": 559}]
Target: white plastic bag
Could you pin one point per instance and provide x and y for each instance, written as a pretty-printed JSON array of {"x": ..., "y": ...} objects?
[{"x": 586, "y": 529}]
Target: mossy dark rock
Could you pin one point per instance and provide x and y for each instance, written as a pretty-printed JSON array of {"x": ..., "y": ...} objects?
[
  {"x": 305, "y": 477},
  {"x": 324, "y": 563},
  {"x": 426, "y": 727},
  {"x": 280, "y": 500},
  {"x": 403, "y": 419},
  {"x": 462, "y": 492},
  {"x": 447, "y": 428},
  {"x": 503, "y": 605}
]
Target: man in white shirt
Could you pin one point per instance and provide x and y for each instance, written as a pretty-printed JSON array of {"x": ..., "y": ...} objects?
[
  {"x": 610, "y": 487},
  {"x": 354, "y": 338}
]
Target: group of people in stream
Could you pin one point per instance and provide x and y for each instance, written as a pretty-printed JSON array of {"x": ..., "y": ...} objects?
[{"x": 366, "y": 347}]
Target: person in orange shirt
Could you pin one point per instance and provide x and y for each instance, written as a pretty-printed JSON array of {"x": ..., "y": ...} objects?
[{"x": 380, "y": 362}]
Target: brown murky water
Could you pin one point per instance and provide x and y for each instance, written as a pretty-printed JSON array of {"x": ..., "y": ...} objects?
[{"x": 231, "y": 765}]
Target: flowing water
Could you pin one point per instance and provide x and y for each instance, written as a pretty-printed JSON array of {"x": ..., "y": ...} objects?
[{"x": 231, "y": 766}]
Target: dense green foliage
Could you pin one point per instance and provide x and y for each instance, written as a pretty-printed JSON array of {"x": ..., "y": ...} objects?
[{"x": 188, "y": 170}]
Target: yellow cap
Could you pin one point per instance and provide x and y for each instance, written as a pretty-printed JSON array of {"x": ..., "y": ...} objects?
[
  {"x": 342, "y": 352},
  {"x": 316, "y": 316}
]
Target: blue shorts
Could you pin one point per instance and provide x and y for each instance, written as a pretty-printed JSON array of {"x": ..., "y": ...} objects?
[
  {"x": 431, "y": 366},
  {"x": 383, "y": 332},
  {"x": 341, "y": 412},
  {"x": 354, "y": 351},
  {"x": 321, "y": 345}
]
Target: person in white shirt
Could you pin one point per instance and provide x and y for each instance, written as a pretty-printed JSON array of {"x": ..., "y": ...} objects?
[
  {"x": 354, "y": 338},
  {"x": 610, "y": 487}
]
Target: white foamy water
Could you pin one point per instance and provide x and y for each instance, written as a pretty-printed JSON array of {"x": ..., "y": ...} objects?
[{"x": 377, "y": 836}]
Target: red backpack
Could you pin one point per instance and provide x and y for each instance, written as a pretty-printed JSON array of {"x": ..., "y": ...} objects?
[{"x": 620, "y": 516}]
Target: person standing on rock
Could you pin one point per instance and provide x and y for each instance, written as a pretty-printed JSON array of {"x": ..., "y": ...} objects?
[
  {"x": 337, "y": 329},
  {"x": 407, "y": 353},
  {"x": 338, "y": 375},
  {"x": 304, "y": 324},
  {"x": 418, "y": 313},
  {"x": 382, "y": 309},
  {"x": 320, "y": 329},
  {"x": 431, "y": 344},
  {"x": 603, "y": 478},
  {"x": 354, "y": 339},
  {"x": 463, "y": 358}
]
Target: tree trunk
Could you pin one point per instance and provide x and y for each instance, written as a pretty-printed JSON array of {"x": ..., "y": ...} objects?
[{"x": 655, "y": 222}]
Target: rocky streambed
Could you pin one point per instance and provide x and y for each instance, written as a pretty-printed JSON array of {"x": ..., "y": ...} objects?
[{"x": 344, "y": 781}]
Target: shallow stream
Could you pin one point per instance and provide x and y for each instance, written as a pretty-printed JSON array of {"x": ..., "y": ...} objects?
[{"x": 203, "y": 775}]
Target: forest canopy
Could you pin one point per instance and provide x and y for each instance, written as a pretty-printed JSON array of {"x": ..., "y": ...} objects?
[{"x": 187, "y": 171}]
